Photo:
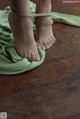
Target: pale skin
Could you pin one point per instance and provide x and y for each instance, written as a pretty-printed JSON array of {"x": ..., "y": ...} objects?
[{"x": 23, "y": 31}]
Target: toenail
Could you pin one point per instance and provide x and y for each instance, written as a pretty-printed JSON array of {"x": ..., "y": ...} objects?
[{"x": 38, "y": 58}]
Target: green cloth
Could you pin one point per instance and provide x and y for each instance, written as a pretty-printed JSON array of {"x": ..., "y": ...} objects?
[{"x": 10, "y": 61}]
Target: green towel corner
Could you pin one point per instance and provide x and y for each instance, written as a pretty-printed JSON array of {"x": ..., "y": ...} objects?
[{"x": 10, "y": 62}]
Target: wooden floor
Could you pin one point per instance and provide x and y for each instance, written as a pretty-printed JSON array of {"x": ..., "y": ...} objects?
[{"x": 51, "y": 91}]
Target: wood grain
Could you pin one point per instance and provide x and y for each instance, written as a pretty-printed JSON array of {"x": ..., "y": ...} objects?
[{"x": 51, "y": 91}]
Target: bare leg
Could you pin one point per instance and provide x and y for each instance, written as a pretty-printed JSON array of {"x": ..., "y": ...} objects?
[
  {"x": 44, "y": 34},
  {"x": 22, "y": 30}
]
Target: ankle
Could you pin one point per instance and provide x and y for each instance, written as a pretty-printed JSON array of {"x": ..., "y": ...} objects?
[{"x": 20, "y": 20}]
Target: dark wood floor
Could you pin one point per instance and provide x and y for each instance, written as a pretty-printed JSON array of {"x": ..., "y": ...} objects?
[{"x": 52, "y": 91}]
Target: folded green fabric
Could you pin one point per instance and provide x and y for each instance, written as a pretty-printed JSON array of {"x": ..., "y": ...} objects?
[{"x": 10, "y": 61}]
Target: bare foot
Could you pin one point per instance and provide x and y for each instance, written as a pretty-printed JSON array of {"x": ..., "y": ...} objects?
[
  {"x": 44, "y": 34},
  {"x": 23, "y": 36}
]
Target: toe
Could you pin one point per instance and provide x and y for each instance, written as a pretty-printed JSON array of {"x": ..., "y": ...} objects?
[
  {"x": 20, "y": 53},
  {"x": 45, "y": 44},
  {"x": 48, "y": 44},
  {"x": 42, "y": 44},
  {"x": 33, "y": 56},
  {"x": 37, "y": 55},
  {"x": 53, "y": 39}
]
